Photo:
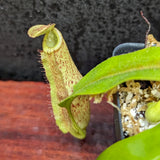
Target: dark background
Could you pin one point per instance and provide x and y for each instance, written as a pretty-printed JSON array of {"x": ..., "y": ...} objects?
[{"x": 90, "y": 28}]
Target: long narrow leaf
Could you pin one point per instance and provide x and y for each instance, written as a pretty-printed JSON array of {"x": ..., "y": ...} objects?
[{"x": 139, "y": 65}]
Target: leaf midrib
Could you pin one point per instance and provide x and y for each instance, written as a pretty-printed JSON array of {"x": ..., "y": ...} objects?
[{"x": 120, "y": 73}]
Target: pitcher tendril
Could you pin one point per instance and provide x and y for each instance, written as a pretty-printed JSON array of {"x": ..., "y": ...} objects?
[{"x": 149, "y": 27}]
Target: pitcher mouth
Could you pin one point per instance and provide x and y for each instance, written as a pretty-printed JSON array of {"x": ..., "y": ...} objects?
[{"x": 52, "y": 41}]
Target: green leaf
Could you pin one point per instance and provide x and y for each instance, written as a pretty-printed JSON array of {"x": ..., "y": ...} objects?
[
  {"x": 152, "y": 113},
  {"x": 139, "y": 65},
  {"x": 143, "y": 146}
]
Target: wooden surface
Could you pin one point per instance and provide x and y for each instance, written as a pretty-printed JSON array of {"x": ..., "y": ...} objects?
[{"x": 28, "y": 130}]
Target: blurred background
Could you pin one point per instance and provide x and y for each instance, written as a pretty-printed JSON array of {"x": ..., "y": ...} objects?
[{"x": 91, "y": 29}]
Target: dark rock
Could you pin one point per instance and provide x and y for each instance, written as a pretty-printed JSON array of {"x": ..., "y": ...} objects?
[{"x": 91, "y": 29}]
